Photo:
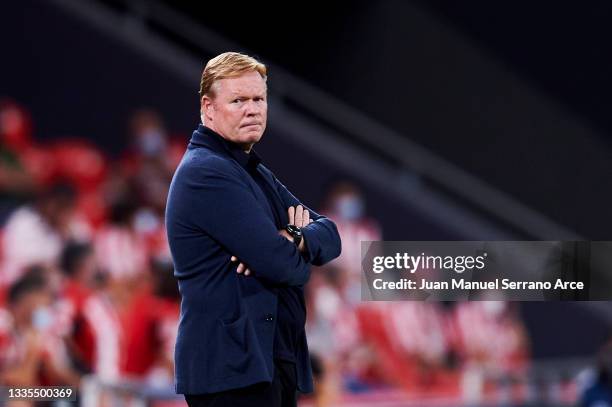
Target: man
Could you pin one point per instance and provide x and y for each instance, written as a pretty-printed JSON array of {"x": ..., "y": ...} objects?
[
  {"x": 242, "y": 245},
  {"x": 35, "y": 234},
  {"x": 32, "y": 353}
]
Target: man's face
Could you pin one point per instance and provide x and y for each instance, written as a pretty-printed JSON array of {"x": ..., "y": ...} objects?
[
  {"x": 25, "y": 308},
  {"x": 238, "y": 110}
]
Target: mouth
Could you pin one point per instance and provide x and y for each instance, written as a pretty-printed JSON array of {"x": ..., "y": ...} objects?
[{"x": 251, "y": 125}]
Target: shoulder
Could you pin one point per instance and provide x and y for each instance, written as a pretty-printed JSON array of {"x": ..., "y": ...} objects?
[
  {"x": 23, "y": 219},
  {"x": 202, "y": 162}
]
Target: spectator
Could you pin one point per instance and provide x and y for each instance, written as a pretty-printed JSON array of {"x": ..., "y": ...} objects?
[
  {"x": 120, "y": 250},
  {"x": 150, "y": 325},
  {"x": 81, "y": 275},
  {"x": 35, "y": 234},
  {"x": 148, "y": 165},
  {"x": 90, "y": 324},
  {"x": 30, "y": 353},
  {"x": 345, "y": 205}
]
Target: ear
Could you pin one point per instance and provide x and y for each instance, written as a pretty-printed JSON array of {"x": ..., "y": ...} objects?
[{"x": 207, "y": 107}]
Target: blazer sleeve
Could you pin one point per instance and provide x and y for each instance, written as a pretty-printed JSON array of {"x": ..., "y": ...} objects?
[
  {"x": 223, "y": 205},
  {"x": 321, "y": 236}
]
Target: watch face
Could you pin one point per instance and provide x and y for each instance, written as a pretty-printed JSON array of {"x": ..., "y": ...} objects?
[{"x": 294, "y": 230}]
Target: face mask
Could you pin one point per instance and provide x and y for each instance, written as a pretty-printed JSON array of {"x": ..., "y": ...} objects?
[
  {"x": 494, "y": 308},
  {"x": 151, "y": 143},
  {"x": 42, "y": 318},
  {"x": 350, "y": 207}
]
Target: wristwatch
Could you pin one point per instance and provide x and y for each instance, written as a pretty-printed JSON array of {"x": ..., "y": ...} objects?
[{"x": 295, "y": 232}]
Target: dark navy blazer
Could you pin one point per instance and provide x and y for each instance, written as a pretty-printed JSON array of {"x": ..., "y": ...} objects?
[{"x": 215, "y": 210}]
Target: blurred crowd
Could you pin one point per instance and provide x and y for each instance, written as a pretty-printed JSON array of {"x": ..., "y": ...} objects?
[
  {"x": 423, "y": 348},
  {"x": 86, "y": 283}
]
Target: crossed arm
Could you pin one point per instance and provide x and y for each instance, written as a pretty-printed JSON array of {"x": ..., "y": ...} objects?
[
  {"x": 217, "y": 199},
  {"x": 299, "y": 217},
  {"x": 320, "y": 242}
]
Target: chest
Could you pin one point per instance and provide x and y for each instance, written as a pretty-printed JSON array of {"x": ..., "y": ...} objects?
[{"x": 263, "y": 187}]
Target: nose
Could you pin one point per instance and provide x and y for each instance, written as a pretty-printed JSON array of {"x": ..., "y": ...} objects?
[{"x": 253, "y": 108}]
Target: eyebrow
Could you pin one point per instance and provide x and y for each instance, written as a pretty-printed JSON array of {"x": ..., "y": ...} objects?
[{"x": 237, "y": 95}]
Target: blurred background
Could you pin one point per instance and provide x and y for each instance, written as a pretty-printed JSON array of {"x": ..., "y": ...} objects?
[{"x": 400, "y": 120}]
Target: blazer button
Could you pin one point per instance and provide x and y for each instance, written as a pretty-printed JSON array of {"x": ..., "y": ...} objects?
[{"x": 269, "y": 317}]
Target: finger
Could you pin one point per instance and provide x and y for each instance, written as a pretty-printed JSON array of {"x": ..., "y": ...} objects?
[
  {"x": 234, "y": 258},
  {"x": 240, "y": 268},
  {"x": 291, "y": 211},
  {"x": 299, "y": 215},
  {"x": 306, "y": 217},
  {"x": 310, "y": 221},
  {"x": 247, "y": 272}
]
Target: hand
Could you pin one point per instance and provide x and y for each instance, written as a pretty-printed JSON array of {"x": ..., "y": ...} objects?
[
  {"x": 34, "y": 344},
  {"x": 299, "y": 217},
  {"x": 242, "y": 268}
]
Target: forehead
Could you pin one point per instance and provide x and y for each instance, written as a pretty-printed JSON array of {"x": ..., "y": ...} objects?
[
  {"x": 249, "y": 83},
  {"x": 34, "y": 297}
]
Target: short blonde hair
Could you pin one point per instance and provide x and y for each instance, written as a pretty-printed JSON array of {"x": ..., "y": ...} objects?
[{"x": 228, "y": 65}]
